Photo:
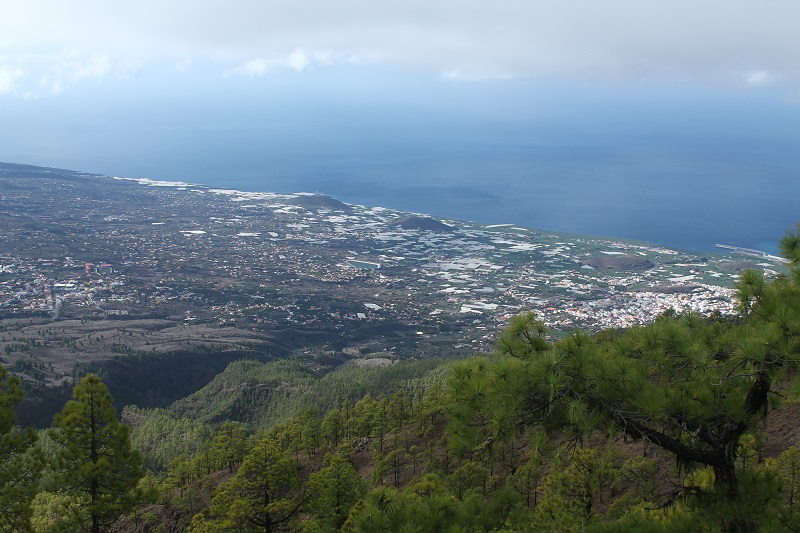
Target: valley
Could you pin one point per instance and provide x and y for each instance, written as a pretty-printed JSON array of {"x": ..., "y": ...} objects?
[{"x": 123, "y": 276}]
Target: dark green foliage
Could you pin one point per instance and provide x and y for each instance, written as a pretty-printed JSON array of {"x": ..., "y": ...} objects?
[
  {"x": 387, "y": 509},
  {"x": 428, "y": 506},
  {"x": 687, "y": 385},
  {"x": 698, "y": 388},
  {"x": 264, "y": 495},
  {"x": 790, "y": 247},
  {"x": 95, "y": 463},
  {"x": 662, "y": 427},
  {"x": 230, "y": 444},
  {"x": 258, "y": 394},
  {"x": 161, "y": 436},
  {"x": 577, "y": 481},
  {"x": 262, "y": 394},
  {"x": 20, "y": 461},
  {"x": 334, "y": 490},
  {"x": 10, "y": 395}
]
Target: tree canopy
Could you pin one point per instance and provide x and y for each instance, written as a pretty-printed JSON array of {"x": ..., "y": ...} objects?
[
  {"x": 694, "y": 386},
  {"x": 660, "y": 427},
  {"x": 20, "y": 462},
  {"x": 95, "y": 463}
]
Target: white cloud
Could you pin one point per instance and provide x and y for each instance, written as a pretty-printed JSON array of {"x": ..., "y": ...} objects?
[
  {"x": 758, "y": 78},
  {"x": 71, "y": 70},
  {"x": 297, "y": 60},
  {"x": 254, "y": 67},
  {"x": 713, "y": 41},
  {"x": 97, "y": 66},
  {"x": 8, "y": 79}
]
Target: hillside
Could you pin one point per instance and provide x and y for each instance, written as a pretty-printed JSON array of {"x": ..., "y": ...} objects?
[
  {"x": 672, "y": 426},
  {"x": 531, "y": 438},
  {"x": 621, "y": 431},
  {"x": 332, "y": 361},
  {"x": 421, "y": 223},
  {"x": 150, "y": 284}
]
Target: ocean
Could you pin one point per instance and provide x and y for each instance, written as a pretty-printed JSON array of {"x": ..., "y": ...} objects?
[
  {"x": 688, "y": 179},
  {"x": 688, "y": 202}
]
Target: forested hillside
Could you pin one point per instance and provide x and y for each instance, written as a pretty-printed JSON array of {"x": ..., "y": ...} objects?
[{"x": 686, "y": 424}]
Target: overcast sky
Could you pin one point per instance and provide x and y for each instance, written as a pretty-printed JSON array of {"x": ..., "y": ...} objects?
[
  {"x": 51, "y": 46},
  {"x": 99, "y": 84}
]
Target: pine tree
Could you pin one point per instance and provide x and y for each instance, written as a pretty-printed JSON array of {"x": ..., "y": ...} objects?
[
  {"x": 95, "y": 461},
  {"x": 333, "y": 427},
  {"x": 230, "y": 444},
  {"x": 697, "y": 387},
  {"x": 264, "y": 495},
  {"x": 335, "y": 489},
  {"x": 20, "y": 461}
]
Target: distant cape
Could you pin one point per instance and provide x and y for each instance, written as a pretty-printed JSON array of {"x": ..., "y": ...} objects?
[
  {"x": 421, "y": 223},
  {"x": 318, "y": 201}
]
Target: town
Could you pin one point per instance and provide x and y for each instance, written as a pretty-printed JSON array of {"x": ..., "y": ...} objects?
[{"x": 93, "y": 266}]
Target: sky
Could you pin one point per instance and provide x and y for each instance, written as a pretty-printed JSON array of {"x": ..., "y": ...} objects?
[
  {"x": 227, "y": 92},
  {"x": 49, "y": 47}
]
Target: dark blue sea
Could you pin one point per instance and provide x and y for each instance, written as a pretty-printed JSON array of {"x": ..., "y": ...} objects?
[
  {"x": 686, "y": 201},
  {"x": 690, "y": 197},
  {"x": 690, "y": 202},
  {"x": 670, "y": 177}
]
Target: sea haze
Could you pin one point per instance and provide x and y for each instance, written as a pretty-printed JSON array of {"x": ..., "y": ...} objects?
[{"x": 677, "y": 167}]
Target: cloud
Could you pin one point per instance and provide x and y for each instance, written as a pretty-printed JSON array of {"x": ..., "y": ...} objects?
[
  {"x": 98, "y": 66},
  {"x": 297, "y": 60},
  {"x": 758, "y": 78},
  {"x": 67, "y": 71},
  {"x": 8, "y": 79},
  {"x": 254, "y": 67},
  {"x": 619, "y": 41}
]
